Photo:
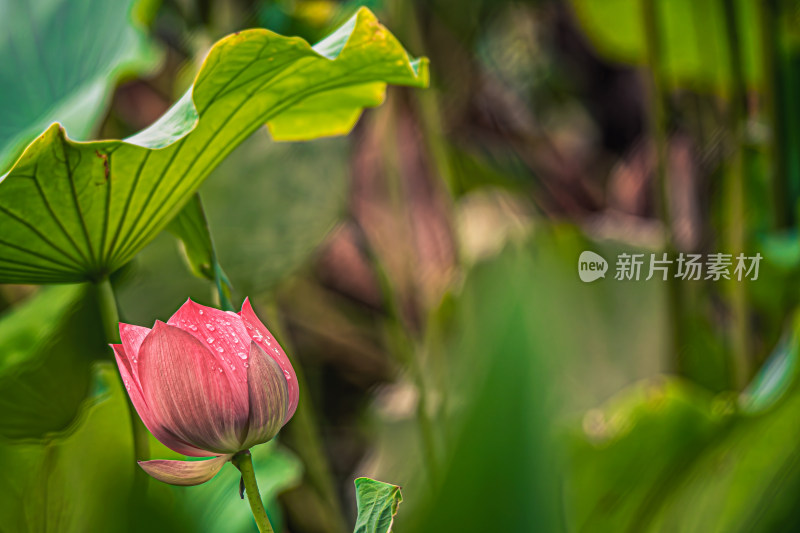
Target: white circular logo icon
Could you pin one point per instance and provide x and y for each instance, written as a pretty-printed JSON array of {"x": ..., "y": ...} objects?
[{"x": 591, "y": 266}]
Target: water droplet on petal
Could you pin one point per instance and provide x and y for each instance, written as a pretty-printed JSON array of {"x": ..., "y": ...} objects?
[
  {"x": 242, "y": 355},
  {"x": 286, "y": 373},
  {"x": 246, "y": 365},
  {"x": 236, "y": 340},
  {"x": 192, "y": 327},
  {"x": 220, "y": 349},
  {"x": 200, "y": 311},
  {"x": 210, "y": 327},
  {"x": 210, "y": 340},
  {"x": 233, "y": 367}
]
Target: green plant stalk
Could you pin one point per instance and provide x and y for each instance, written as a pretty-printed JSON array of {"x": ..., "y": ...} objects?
[
  {"x": 109, "y": 314},
  {"x": 407, "y": 353},
  {"x": 429, "y": 117},
  {"x": 776, "y": 162},
  {"x": 244, "y": 462},
  {"x": 308, "y": 443},
  {"x": 658, "y": 133},
  {"x": 740, "y": 336}
]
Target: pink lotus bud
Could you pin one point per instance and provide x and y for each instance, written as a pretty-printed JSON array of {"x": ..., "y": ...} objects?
[{"x": 206, "y": 383}]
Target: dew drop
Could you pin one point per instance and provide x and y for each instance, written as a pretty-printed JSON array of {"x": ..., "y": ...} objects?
[
  {"x": 210, "y": 340},
  {"x": 220, "y": 370},
  {"x": 286, "y": 373},
  {"x": 246, "y": 365},
  {"x": 242, "y": 355},
  {"x": 192, "y": 327},
  {"x": 200, "y": 311},
  {"x": 233, "y": 367},
  {"x": 220, "y": 349},
  {"x": 236, "y": 340},
  {"x": 210, "y": 327}
]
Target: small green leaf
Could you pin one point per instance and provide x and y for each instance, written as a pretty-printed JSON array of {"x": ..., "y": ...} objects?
[
  {"x": 191, "y": 229},
  {"x": 51, "y": 68},
  {"x": 377, "y": 505},
  {"x": 74, "y": 211}
]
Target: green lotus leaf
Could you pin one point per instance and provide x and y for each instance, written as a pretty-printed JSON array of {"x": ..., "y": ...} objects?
[{"x": 73, "y": 211}]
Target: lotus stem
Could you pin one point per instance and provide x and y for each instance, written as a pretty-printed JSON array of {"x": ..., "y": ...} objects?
[
  {"x": 109, "y": 314},
  {"x": 244, "y": 462}
]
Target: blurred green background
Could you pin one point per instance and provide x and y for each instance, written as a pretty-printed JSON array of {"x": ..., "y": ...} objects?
[{"x": 421, "y": 272}]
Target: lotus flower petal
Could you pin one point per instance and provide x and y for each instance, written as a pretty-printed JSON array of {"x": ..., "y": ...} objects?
[
  {"x": 269, "y": 397},
  {"x": 166, "y": 437},
  {"x": 185, "y": 473},
  {"x": 261, "y": 335},
  {"x": 225, "y": 337},
  {"x": 132, "y": 337},
  {"x": 187, "y": 390}
]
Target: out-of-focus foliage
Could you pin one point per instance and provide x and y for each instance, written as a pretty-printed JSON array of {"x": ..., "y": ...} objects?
[
  {"x": 46, "y": 351},
  {"x": 52, "y": 484},
  {"x": 53, "y": 70},
  {"x": 692, "y": 37},
  {"x": 123, "y": 193},
  {"x": 631, "y": 453},
  {"x": 377, "y": 505},
  {"x": 719, "y": 465},
  {"x": 499, "y": 450}
]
